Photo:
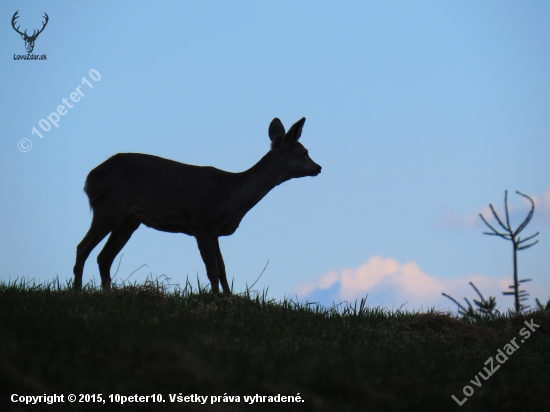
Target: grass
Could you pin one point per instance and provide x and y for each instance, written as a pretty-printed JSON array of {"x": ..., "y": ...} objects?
[{"x": 149, "y": 339}]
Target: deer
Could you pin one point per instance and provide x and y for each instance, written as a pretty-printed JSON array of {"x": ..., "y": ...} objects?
[
  {"x": 129, "y": 189},
  {"x": 29, "y": 40}
]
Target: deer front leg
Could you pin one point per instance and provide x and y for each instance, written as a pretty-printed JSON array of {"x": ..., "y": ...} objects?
[
  {"x": 221, "y": 269},
  {"x": 209, "y": 248}
]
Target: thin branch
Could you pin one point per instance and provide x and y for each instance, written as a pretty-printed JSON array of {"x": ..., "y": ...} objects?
[
  {"x": 478, "y": 292},
  {"x": 469, "y": 304},
  {"x": 506, "y": 210},
  {"x": 498, "y": 218},
  {"x": 260, "y": 275},
  {"x": 118, "y": 267},
  {"x": 491, "y": 227},
  {"x": 134, "y": 272},
  {"x": 527, "y": 238},
  {"x": 529, "y": 216},
  {"x": 504, "y": 236},
  {"x": 525, "y": 222},
  {"x": 528, "y": 246},
  {"x": 455, "y": 301}
]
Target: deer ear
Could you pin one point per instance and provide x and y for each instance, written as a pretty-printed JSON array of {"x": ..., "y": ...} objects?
[
  {"x": 276, "y": 133},
  {"x": 294, "y": 133}
]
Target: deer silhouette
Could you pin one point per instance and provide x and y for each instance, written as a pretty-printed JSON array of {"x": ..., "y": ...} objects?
[
  {"x": 129, "y": 189},
  {"x": 29, "y": 40}
]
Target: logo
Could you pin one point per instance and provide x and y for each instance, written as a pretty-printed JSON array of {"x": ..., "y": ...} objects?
[{"x": 29, "y": 40}]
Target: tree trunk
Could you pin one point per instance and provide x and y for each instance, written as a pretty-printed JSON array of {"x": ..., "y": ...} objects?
[{"x": 516, "y": 282}]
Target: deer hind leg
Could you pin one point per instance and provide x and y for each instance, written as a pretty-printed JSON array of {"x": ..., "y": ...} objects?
[
  {"x": 221, "y": 271},
  {"x": 118, "y": 238},
  {"x": 100, "y": 227},
  {"x": 209, "y": 248}
]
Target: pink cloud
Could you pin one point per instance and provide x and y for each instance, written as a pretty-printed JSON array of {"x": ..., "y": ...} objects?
[
  {"x": 542, "y": 207},
  {"x": 388, "y": 282}
]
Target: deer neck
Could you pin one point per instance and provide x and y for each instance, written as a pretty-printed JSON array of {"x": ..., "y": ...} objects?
[{"x": 256, "y": 182}]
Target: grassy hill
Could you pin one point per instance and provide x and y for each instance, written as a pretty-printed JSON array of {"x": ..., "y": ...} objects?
[{"x": 143, "y": 340}]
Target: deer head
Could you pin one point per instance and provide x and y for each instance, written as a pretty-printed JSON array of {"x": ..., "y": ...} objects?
[{"x": 29, "y": 40}]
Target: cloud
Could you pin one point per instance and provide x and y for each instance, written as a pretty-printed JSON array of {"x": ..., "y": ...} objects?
[
  {"x": 451, "y": 219},
  {"x": 391, "y": 284},
  {"x": 542, "y": 207}
]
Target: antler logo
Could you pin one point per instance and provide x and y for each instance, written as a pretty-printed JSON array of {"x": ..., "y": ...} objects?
[{"x": 29, "y": 40}]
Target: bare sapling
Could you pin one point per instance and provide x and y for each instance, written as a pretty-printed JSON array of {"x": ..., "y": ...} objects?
[
  {"x": 520, "y": 295},
  {"x": 129, "y": 189}
]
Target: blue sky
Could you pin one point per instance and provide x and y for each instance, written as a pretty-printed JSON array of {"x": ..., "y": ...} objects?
[{"x": 420, "y": 113}]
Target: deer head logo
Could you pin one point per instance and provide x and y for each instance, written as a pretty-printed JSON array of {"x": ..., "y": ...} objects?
[{"x": 29, "y": 40}]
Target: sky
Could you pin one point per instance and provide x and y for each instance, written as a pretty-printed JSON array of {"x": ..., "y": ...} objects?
[{"x": 420, "y": 113}]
